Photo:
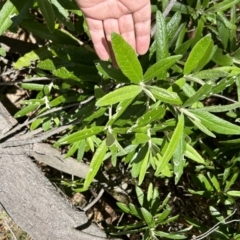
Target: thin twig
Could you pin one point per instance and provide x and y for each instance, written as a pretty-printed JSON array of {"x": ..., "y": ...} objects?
[
  {"x": 36, "y": 139},
  {"x": 165, "y": 14},
  {"x": 13, "y": 235},
  {"x": 27, "y": 80},
  {"x": 226, "y": 98},
  {"x": 215, "y": 227},
  {"x": 169, "y": 8},
  {"x": 94, "y": 201},
  {"x": 27, "y": 122}
]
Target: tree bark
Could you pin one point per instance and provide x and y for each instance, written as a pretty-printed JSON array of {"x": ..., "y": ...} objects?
[{"x": 32, "y": 201}]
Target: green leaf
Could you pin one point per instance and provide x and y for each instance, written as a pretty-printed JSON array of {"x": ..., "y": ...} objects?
[
  {"x": 122, "y": 106},
  {"x": 76, "y": 54},
  {"x": 108, "y": 71},
  {"x": 7, "y": 12},
  {"x": 127, "y": 59},
  {"x": 135, "y": 211},
  {"x": 144, "y": 166},
  {"x": 222, "y": 59},
  {"x": 160, "y": 217},
  {"x": 205, "y": 182},
  {"x": 169, "y": 235},
  {"x": 162, "y": 42},
  {"x": 36, "y": 123},
  {"x": 110, "y": 139},
  {"x": 216, "y": 124},
  {"x": 231, "y": 181},
  {"x": 60, "y": 8},
  {"x": 211, "y": 74},
  {"x": 198, "y": 54},
  {"x": 2, "y": 52},
  {"x": 95, "y": 164},
  {"x": 140, "y": 195},
  {"x": 58, "y": 36},
  {"x": 23, "y": 9},
  {"x": 161, "y": 37},
  {"x": 191, "y": 153},
  {"x": 177, "y": 134},
  {"x": 28, "y": 58},
  {"x": 81, "y": 150},
  {"x": 33, "y": 86},
  {"x": 233, "y": 193},
  {"x": 222, "y": 6},
  {"x": 220, "y": 108},
  {"x": 214, "y": 181},
  {"x": 26, "y": 110},
  {"x": 222, "y": 85},
  {"x": 141, "y": 138},
  {"x": 160, "y": 66},
  {"x": 80, "y": 135},
  {"x": 72, "y": 150},
  {"x": 123, "y": 207},
  {"x": 150, "y": 116},
  {"x": 165, "y": 95},
  {"x": 173, "y": 24},
  {"x": 178, "y": 159},
  {"x": 150, "y": 192},
  {"x": 203, "y": 91},
  {"x": 138, "y": 160},
  {"x": 197, "y": 122},
  {"x": 148, "y": 217},
  {"x": 121, "y": 94},
  {"x": 47, "y": 11}
]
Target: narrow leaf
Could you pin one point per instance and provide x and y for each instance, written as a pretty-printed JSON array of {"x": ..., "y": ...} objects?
[
  {"x": 121, "y": 94},
  {"x": 148, "y": 217},
  {"x": 160, "y": 66},
  {"x": 233, "y": 193},
  {"x": 161, "y": 37},
  {"x": 140, "y": 195},
  {"x": 122, "y": 106},
  {"x": 95, "y": 164},
  {"x": 216, "y": 124},
  {"x": 48, "y": 13},
  {"x": 7, "y": 12},
  {"x": 26, "y": 110},
  {"x": 165, "y": 95},
  {"x": 220, "y": 108},
  {"x": 127, "y": 59},
  {"x": 203, "y": 91},
  {"x": 144, "y": 166},
  {"x": 152, "y": 115},
  {"x": 197, "y": 53},
  {"x": 191, "y": 153},
  {"x": 177, "y": 134},
  {"x": 80, "y": 135},
  {"x": 178, "y": 159}
]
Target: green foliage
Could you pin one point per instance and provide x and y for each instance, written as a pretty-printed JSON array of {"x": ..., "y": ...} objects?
[{"x": 169, "y": 119}]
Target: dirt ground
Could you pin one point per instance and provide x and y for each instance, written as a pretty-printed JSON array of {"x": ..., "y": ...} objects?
[{"x": 9, "y": 230}]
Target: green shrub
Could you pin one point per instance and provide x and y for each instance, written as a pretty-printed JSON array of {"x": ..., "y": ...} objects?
[{"x": 169, "y": 117}]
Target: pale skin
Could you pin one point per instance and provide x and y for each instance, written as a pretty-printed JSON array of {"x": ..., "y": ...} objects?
[{"x": 130, "y": 18}]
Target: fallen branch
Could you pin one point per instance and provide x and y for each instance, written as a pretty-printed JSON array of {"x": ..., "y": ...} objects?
[{"x": 31, "y": 200}]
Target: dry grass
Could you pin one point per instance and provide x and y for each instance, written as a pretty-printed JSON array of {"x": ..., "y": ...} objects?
[{"x": 9, "y": 230}]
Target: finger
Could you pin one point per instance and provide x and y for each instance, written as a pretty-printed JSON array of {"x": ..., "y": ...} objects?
[
  {"x": 98, "y": 38},
  {"x": 126, "y": 27},
  {"x": 110, "y": 25},
  {"x": 142, "y": 20}
]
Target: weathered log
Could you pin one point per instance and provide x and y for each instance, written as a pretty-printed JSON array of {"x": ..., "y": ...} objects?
[{"x": 32, "y": 201}]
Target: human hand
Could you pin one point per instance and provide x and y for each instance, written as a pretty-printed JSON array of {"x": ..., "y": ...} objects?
[{"x": 130, "y": 18}]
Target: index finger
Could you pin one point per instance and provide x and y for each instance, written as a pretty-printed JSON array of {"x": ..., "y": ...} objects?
[{"x": 98, "y": 38}]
